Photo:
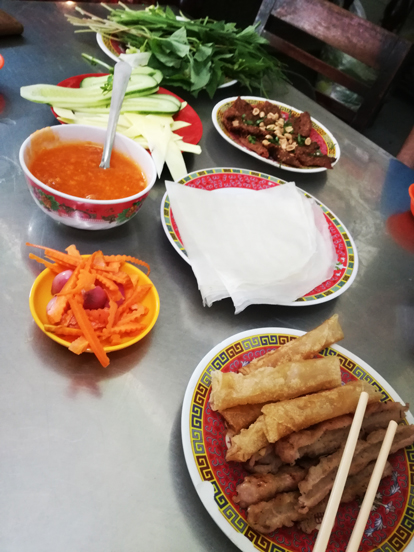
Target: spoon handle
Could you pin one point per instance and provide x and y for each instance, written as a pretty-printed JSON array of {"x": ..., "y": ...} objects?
[{"x": 122, "y": 73}]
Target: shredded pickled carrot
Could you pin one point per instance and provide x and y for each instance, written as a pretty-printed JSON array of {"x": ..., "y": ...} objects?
[
  {"x": 130, "y": 286},
  {"x": 113, "y": 307},
  {"x": 119, "y": 278},
  {"x": 79, "y": 346},
  {"x": 98, "y": 317},
  {"x": 93, "y": 328},
  {"x": 134, "y": 316},
  {"x": 62, "y": 330},
  {"x": 54, "y": 267},
  {"x": 127, "y": 259},
  {"x": 58, "y": 256},
  {"x": 88, "y": 331},
  {"x": 127, "y": 328},
  {"x": 72, "y": 250},
  {"x": 136, "y": 297},
  {"x": 111, "y": 288}
]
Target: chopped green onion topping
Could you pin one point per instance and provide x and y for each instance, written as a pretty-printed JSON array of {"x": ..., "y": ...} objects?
[{"x": 301, "y": 140}]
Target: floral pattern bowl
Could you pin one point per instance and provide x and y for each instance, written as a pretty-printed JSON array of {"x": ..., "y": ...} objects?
[{"x": 89, "y": 214}]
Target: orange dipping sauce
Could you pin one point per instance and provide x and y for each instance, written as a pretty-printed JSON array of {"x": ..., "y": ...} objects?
[{"x": 73, "y": 168}]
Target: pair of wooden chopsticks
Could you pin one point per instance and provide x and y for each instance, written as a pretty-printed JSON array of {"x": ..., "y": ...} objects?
[{"x": 340, "y": 480}]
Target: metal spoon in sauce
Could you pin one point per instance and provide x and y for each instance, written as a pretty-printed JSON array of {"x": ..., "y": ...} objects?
[{"x": 122, "y": 73}]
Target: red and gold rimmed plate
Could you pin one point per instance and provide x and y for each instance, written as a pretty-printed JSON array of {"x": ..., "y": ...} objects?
[
  {"x": 391, "y": 523},
  {"x": 212, "y": 179},
  {"x": 41, "y": 294},
  {"x": 191, "y": 134},
  {"x": 320, "y": 134}
]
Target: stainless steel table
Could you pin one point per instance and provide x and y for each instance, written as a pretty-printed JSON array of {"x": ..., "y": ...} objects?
[{"x": 91, "y": 460}]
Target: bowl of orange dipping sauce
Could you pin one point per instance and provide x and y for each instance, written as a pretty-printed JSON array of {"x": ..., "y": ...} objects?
[{"x": 61, "y": 165}]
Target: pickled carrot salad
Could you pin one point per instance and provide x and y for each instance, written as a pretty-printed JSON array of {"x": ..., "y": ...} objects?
[{"x": 95, "y": 303}]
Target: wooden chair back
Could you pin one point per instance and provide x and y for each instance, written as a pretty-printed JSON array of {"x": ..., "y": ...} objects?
[{"x": 372, "y": 45}]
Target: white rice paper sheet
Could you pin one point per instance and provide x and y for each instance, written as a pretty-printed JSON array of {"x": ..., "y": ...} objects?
[{"x": 268, "y": 246}]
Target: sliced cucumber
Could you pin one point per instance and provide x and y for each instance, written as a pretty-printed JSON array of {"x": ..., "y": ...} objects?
[
  {"x": 98, "y": 82},
  {"x": 93, "y": 82},
  {"x": 144, "y": 105},
  {"x": 136, "y": 74},
  {"x": 74, "y": 97}
]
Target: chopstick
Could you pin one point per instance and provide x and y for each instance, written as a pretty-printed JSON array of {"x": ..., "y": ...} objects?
[
  {"x": 374, "y": 482},
  {"x": 340, "y": 479}
]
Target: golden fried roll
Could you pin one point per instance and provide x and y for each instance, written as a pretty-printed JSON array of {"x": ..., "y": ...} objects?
[
  {"x": 247, "y": 442},
  {"x": 241, "y": 416},
  {"x": 268, "y": 384},
  {"x": 285, "y": 417},
  {"x": 306, "y": 346}
]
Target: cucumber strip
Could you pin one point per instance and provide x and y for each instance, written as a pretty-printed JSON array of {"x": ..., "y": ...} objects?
[
  {"x": 136, "y": 74},
  {"x": 100, "y": 81},
  {"x": 144, "y": 105},
  {"x": 102, "y": 106},
  {"x": 143, "y": 70},
  {"x": 170, "y": 98},
  {"x": 72, "y": 97}
]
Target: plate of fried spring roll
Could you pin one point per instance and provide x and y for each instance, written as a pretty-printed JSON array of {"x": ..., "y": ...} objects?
[{"x": 265, "y": 418}]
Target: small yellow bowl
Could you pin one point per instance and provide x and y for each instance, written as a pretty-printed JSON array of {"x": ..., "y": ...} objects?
[{"x": 41, "y": 294}]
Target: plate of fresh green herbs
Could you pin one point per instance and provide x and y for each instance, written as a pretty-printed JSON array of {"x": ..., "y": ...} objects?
[
  {"x": 326, "y": 144},
  {"x": 194, "y": 54},
  {"x": 116, "y": 50}
]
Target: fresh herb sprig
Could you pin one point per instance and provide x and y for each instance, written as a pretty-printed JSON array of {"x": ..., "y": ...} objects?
[
  {"x": 193, "y": 54},
  {"x": 107, "y": 87}
]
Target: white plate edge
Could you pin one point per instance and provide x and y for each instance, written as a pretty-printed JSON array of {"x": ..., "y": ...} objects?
[
  {"x": 256, "y": 155},
  {"x": 167, "y": 233},
  {"x": 104, "y": 48},
  {"x": 245, "y": 544}
]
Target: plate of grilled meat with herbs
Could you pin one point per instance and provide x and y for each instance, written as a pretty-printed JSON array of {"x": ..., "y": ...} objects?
[{"x": 276, "y": 133}]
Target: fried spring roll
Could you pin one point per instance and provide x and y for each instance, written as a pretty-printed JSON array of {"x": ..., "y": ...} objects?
[
  {"x": 285, "y": 417},
  {"x": 247, "y": 442},
  {"x": 268, "y": 384},
  {"x": 304, "y": 347},
  {"x": 241, "y": 416}
]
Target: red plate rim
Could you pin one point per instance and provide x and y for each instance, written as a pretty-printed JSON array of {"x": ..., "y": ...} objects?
[{"x": 191, "y": 134}]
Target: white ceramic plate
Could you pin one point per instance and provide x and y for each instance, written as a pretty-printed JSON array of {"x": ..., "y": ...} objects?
[
  {"x": 320, "y": 134},
  {"x": 209, "y": 179},
  {"x": 390, "y": 527}
]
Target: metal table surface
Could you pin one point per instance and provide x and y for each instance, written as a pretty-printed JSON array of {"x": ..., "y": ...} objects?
[{"x": 92, "y": 460}]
